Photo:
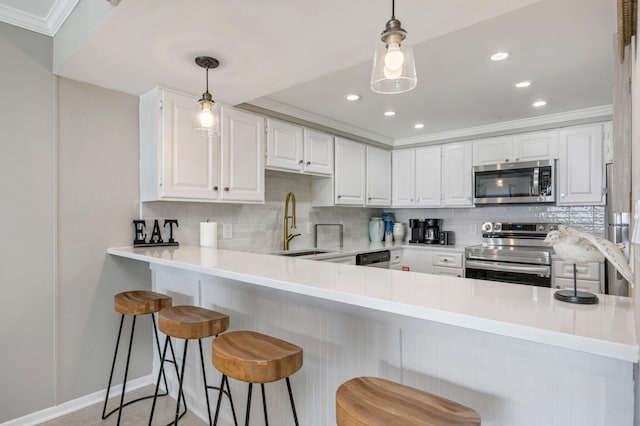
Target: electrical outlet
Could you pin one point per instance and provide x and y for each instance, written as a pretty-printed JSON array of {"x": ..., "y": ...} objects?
[
  {"x": 226, "y": 231},
  {"x": 473, "y": 228},
  {"x": 309, "y": 228}
]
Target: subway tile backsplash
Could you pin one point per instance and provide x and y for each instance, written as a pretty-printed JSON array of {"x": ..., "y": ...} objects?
[{"x": 259, "y": 227}]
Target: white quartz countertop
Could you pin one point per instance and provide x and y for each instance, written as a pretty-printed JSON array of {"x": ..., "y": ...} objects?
[{"x": 518, "y": 311}]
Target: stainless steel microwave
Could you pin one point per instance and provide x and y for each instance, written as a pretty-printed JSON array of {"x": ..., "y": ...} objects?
[{"x": 513, "y": 183}]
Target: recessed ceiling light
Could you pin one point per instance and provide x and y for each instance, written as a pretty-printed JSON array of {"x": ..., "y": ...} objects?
[
  {"x": 500, "y": 56},
  {"x": 523, "y": 84},
  {"x": 539, "y": 104},
  {"x": 352, "y": 97},
  {"x": 418, "y": 126},
  {"x": 389, "y": 113}
]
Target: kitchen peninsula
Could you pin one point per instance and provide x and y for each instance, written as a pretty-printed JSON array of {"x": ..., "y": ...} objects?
[{"x": 511, "y": 352}]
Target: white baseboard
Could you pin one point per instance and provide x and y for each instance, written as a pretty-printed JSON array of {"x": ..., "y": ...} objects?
[{"x": 76, "y": 404}]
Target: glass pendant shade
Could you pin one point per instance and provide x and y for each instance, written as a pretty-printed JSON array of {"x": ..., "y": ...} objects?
[
  {"x": 205, "y": 122},
  {"x": 394, "y": 69}
]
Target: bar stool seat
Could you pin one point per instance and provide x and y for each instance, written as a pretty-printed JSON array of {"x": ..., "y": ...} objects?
[
  {"x": 133, "y": 303},
  {"x": 253, "y": 357},
  {"x": 190, "y": 322},
  {"x": 373, "y": 401}
]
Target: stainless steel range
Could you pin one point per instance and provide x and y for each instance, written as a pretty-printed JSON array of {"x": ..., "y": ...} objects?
[{"x": 512, "y": 253}]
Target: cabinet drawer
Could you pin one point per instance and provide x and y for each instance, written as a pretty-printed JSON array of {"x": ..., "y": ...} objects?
[
  {"x": 585, "y": 285},
  {"x": 450, "y": 272},
  {"x": 451, "y": 260},
  {"x": 584, "y": 271}
]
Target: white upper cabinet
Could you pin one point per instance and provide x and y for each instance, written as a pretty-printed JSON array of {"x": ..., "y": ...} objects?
[
  {"x": 378, "y": 182},
  {"x": 349, "y": 172},
  {"x": 457, "y": 175},
  {"x": 242, "y": 152},
  {"x": 492, "y": 151},
  {"x": 581, "y": 166},
  {"x": 403, "y": 177},
  {"x": 284, "y": 146},
  {"x": 318, "y": 153},
  {"x": 516, "y": 148},
  {"x": 535, "y": 146},
  {"x": 294, "y": 148},
  {"x": 175, "y": 163},
  {"x": 428, "y": 185}
]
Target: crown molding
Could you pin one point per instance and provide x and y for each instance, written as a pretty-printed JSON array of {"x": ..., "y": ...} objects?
[
  {"x": 282, "y": 108},
  {"x": 49, "y": 25},
  {"x": 604, "y": 112}
]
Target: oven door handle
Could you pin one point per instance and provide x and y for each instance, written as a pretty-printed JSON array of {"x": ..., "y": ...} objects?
[{"x": 542, "y": 271}]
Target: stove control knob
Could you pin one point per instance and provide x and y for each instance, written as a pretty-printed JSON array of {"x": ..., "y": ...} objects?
[
  {"x": 497, "y": 227},
  {"x": 487, "y": 227}
]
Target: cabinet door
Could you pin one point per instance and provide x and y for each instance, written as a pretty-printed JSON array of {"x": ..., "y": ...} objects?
[
  {"x": 492, "y": 151},
  {"x": 284, "y": 146},
  {"x": 429, "y": 176},
  {"x": 242, "y": 152},
  {"x": 189, "y": 165},
  {"x": 457, "y": 175},
  {"x": 535, "y": 146},
  {"x": 318, "y": 153},
  {"x": 349, "y": 172},
  {"x": 580, "y": 166},
  {"x": 584, "y": 285},
  {"x": 448, "y": 272},
  {"x": 403, "y": 177},
  {"x": 378, "y": 177}
]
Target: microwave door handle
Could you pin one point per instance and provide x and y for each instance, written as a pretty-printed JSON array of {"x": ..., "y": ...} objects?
[{"x": 536, "y": 181}]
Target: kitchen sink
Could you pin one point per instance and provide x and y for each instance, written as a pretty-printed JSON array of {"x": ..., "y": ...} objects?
[{"x": 302, "y": 253}]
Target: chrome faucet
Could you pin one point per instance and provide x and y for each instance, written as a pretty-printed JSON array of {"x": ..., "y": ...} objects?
[{"x": 288, "y": 237}]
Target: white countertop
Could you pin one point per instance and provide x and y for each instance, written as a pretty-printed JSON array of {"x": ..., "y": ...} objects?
[{"x": 523, "y": 312}]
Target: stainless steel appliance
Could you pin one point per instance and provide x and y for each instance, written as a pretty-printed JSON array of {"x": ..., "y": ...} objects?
[
  {"x": 512, "y": 253},
  {"x": 447, "y": 238},
  {"x": 377, "y": 259},
  {"x": 512, "y": 183},
  {"x": 431, "y": 231},
  {"x": 417, "y": 230}
]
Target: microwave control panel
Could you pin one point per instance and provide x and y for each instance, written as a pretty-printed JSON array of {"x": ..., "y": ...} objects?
[{"x": 546, "y": 182}]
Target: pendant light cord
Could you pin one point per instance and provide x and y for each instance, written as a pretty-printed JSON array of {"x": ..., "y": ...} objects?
[
  {"x": 393, "y": 9},
  {"x": 207, "y": 79}
]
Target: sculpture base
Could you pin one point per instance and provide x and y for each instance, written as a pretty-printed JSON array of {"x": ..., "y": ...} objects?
[{"x": 579, "y": 297}]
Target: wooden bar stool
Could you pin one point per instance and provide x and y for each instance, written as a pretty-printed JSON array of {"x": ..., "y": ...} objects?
[
  {"x": 377, "y": 402},
  {"x": 190, "y": 322},
  {"x": 134, "y": 303},
  {"x": 255, "y": 358}
]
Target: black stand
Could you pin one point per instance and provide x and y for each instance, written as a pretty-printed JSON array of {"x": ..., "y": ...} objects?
[{"x": 575, "y": 296}]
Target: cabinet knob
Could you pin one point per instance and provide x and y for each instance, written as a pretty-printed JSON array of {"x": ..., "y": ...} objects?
[
  {"x": 411, "y": 200},
  {"x": 215, "y": 188},
  {"x": 226, "y": 188},
  {"x": 339, "y": 196},
  {"x": 369, "y": 198},
  {"x": 506, "y": 160},
  {"x": 445, "y": 260},
  {"x": 517, "y": 159},
  {"x": 308, "y": 163},
  {"x": 300, "y": 162}
]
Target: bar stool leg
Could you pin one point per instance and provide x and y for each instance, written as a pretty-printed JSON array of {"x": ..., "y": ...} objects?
[
  {"x": 264, "y": 405},
  {"x": 113, "y": 365},
  {"x": 181, "y": 380},
  {"x": 246, "y": 419},
  {"x": 126, "y": 368},
  {"x": 224, "y": 380},
  {"x": 293, "y": 406},
  {"x": 204, "y": 379},
  {"x": 167, "y": 343}
]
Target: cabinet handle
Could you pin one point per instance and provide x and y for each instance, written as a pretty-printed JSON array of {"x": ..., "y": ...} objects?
[
  {"x": 506, "y": 160},
  {"x": 369, "y": 198},
  {"x": 226, "y": 188},
  {"x": 308, "y": 163},
  {"x": 215, "y": 188},
  {"x": 300, "y": 162},
  {"x": 517, "y": 159},
  {"x": 339, "y": 196},
  {"x": 445, "y": 260}
]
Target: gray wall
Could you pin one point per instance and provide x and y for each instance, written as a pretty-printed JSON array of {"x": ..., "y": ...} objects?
[
  {"x": 27, "y": 216},
  {"x": 69, "y": 161}
]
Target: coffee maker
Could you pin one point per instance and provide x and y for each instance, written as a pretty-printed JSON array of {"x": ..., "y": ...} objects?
[
  {"x": 417, "y": 230},
  {"x": 432, "y": 231}
]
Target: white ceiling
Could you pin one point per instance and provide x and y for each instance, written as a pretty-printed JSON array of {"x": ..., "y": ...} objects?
[
  {"x": 308, "y": 55},
  {"x": 42, "y": 16}
]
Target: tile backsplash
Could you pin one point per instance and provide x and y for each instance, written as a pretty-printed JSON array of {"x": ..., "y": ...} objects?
[
  {"x": 259, "y": 227},
  {"x": 466, "y": 223}
]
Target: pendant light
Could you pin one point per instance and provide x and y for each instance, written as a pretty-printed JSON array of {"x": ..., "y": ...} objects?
[
  {"x": 394, "y": 70},
  {"x": 206, "y": 121}
]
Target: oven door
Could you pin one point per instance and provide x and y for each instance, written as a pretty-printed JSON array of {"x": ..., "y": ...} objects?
[{"x": 515, "y": 273}]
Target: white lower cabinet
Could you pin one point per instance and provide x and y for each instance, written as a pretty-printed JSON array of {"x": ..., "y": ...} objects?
[
  {"x": 433, "y": 260},
  {"x": 589, "y": 276},
  {"x": 448, "y": 263},
  {"x": 346, "y": 260}
]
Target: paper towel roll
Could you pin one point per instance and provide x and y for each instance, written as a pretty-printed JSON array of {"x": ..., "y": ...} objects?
[{"x": 209, "y": 234}]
